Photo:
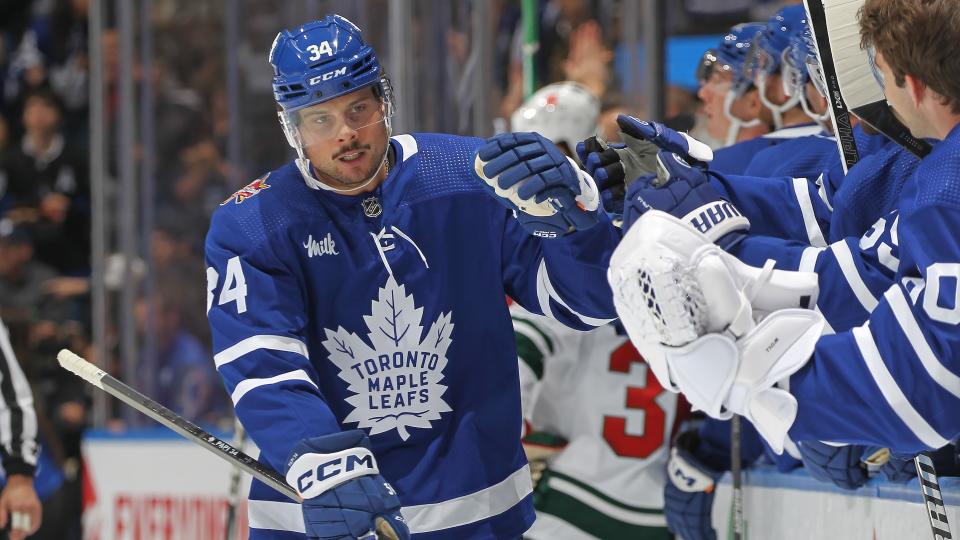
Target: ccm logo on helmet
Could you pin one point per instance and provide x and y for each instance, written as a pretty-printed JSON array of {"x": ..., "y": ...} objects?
[
  {"x": 328, "y": 75},
  {"x": 335, "y": 467}
]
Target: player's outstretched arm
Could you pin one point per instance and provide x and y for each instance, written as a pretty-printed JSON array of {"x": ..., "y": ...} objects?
[{"x": 556, "y": 250}]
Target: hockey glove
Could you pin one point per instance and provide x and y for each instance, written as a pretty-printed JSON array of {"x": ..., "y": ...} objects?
[
  {"x": 344, "y": 496},
  {"x": 668, "y": 140},
  {"x": 615, "y": 166},
  {"x": 549, "y": 193},
  {"x": 685, "y": 192},
  {"x": 840, "y": 465},
  {"x": 688, "y": 496}
]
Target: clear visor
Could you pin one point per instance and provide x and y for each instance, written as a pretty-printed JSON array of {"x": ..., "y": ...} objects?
[
  {"x": 815, "y": 71},
  {"x": 320, "y": 123},
  {"x": 877, "y": 74},
  {"x": 794, "y": 76}
]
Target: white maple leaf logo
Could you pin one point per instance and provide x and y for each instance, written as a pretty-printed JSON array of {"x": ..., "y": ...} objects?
[{"x": 395, "y": 377}]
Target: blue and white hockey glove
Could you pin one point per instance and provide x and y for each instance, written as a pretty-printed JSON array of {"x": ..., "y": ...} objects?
[
  {"x": 688, "y": 496},
  {"x": 692, "y": 150},
  {"x": 344, "y": 496},
  {"x": 686, "y": 193},
  {"x": 549, "y": 193},
  {"x": 842, "y": 466}
]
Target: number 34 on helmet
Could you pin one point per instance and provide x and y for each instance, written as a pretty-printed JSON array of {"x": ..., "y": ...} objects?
[{"x": 320, "y": 61}]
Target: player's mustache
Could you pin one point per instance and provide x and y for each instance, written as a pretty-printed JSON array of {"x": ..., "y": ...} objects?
[{"x": 356, "y": 146}]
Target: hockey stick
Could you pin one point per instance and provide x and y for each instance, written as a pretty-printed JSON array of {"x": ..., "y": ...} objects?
[
  {"x": 930, "y": 487},
  {"x": 838, "y": 107},
  {"x": 736, "y": 464},
  {"x": 190, "y": 431},
  {"x": 849, "y": 70},
  {"x": 233, "y": 497}
]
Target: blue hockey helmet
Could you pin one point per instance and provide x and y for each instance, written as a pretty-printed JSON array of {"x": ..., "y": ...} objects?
[
  {"x": 320, "y": 61},
  {"x": 731, "y": 53},
  {"x": 769, "y": 46}
]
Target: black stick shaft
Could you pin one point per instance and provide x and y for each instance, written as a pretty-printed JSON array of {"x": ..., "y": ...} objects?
[
  {"x": 736, "y": 471},
  {"x": 932, "y": 497},
  {"x": 170, "y": 419}
]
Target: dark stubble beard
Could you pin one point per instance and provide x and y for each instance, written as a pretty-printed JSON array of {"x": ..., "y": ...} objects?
[{"x": 341, "y": 183}]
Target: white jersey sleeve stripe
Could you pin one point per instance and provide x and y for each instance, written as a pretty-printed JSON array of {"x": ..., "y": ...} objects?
[
  {"x": 253, "y": 343},
  {"x": 849, "y": 269},
  {"x": 472, "y": 507},
  {"x": 814, "y": 234},
  {"x": 546, "y": 291},
  {"x": 275, "y": 515},
  {"x": 891, "y": 392},
  {"x": 808, "y": 260},
  {"x": 908, "y": 323},
  {"x": 251, "y": 384}
]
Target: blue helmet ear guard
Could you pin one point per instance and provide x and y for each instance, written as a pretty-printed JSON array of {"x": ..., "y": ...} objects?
[{"x": 320, "y": 61}]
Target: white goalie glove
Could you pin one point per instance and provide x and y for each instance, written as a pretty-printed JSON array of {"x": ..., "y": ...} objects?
[{"x": 721, "y": 332}]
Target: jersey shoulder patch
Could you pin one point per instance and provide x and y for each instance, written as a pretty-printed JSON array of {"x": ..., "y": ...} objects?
[{"x": 248, "y": 190}]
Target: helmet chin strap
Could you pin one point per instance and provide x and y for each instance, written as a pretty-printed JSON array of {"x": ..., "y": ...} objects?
[
  {"x": 735, "y": 123},
  {"x": 822, "y": 119},
  {"x": 776, "y": 110}
]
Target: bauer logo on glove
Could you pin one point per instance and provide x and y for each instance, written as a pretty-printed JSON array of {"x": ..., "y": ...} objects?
[{"x": 528, "y": 174}]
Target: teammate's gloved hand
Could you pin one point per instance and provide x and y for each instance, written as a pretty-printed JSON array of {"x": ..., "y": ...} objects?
[
  {"x": 344, "y": 496},
  {"x": 688, "y": 496},
  {"x": 692, "y": 150},
  {"x": 842, "y": 466},
  {"x": 549, "y": 193},
  {"x": 897, "y": 468},
  {"x": 686, "y": 193},
  {"x": 615, "y": 166}
]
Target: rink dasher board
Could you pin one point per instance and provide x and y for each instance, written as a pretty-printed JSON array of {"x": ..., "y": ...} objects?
[
  {"x": 150, "y": 484},
  {"x": 789, "y": 506}
]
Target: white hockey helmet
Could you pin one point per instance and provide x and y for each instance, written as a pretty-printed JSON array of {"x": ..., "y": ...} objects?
[{"x": 564, "y": 112}]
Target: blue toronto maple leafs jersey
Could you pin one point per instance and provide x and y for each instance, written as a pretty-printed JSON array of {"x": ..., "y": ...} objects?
[
  {"x": 802, "y": 157},
  {"x": 889, "y": 372},
  {"x": 735, "y": 158},
  {"x": 386, "y": 311}
]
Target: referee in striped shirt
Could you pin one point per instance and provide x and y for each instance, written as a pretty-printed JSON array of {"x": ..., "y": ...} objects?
[{"x": 19, "y": 504}]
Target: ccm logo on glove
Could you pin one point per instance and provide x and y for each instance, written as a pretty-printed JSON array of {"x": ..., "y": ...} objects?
[{"x": 313, "y": 474}]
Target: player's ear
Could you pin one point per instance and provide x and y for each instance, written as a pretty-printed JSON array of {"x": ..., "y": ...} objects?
[{"x": 917, "y": 89}]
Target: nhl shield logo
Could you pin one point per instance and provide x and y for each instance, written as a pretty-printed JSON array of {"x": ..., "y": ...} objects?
[{"x": 371, "y": 207}]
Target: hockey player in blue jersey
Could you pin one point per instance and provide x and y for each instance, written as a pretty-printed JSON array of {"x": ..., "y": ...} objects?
[
  {"x": 732, "y": 111},
  {"x": 356, "y": 300},
  {"x": 887, "y": 372}
]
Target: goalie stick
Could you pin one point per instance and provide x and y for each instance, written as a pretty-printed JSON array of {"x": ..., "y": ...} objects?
[
  {"x": 838, "y": 107},
  {"x": 849, "y": 72},
  {"x": 190, "y": 431}
]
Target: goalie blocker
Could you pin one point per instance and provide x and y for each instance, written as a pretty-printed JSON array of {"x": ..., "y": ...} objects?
[{"x": 721, "y": 332}]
